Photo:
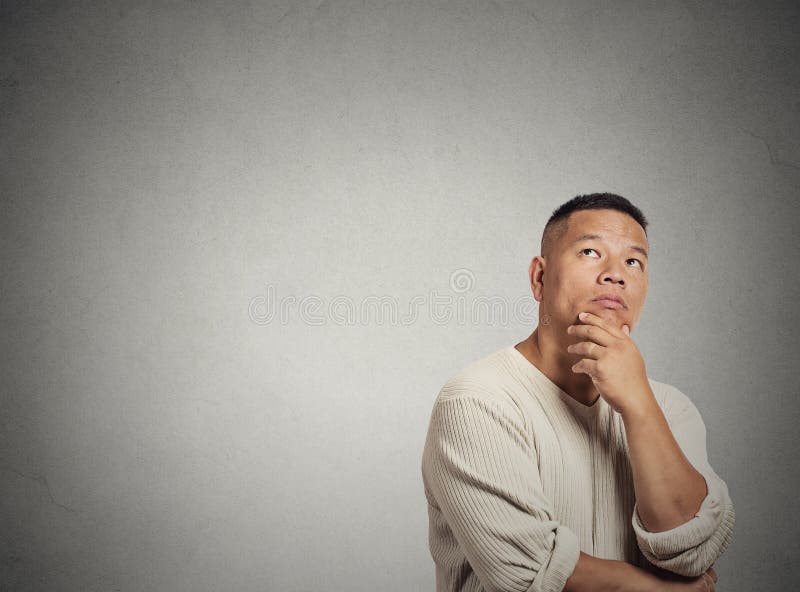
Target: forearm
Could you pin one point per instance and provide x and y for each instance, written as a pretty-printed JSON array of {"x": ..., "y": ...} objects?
[
  {"x": 606, "y": 575},
  {"x": 669, "y": 490}
]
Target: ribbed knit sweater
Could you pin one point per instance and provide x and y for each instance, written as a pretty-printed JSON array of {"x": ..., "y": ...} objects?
[{"x": 520, "y": 477}]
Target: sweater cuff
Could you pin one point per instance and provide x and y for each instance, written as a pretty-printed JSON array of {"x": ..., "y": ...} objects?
[
  {"x": 673, "y": 542},
  {"x": 563, "y": 559}
]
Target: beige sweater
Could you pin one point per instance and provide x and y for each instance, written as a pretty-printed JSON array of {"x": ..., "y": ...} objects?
[{"x": 520, "y": 478}]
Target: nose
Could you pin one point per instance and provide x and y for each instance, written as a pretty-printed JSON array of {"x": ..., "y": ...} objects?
[{"x": 613, "y": 275}]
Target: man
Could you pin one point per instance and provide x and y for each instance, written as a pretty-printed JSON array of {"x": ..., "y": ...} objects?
[{"x": 557, "y": 464}]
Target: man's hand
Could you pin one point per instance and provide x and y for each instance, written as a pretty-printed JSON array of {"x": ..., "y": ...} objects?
[
  {"x": 612, "y": 360},
  {"x": 602, "y": 575},
  {"x": 705, "y": 583}
]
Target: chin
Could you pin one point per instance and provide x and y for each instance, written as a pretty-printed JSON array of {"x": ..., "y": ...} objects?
[{"x": 611, "y": 313}]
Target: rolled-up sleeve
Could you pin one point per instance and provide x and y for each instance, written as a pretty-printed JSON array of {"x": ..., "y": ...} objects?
[
  {"x": 482, "y": 472},
  {"x": 692, "y": 547}
]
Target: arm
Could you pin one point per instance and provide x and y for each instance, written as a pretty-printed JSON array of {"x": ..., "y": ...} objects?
[
  {"x": 695, "y": 525},
  {"x": 482, "y": 473},
  {"x": 592, "y": 574},
  {"x": 669, "y": 490},
  {"x": 677, "y": 492}
]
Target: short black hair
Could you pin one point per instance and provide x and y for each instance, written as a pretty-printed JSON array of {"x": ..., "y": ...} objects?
[{"x": 557, "y": 224}]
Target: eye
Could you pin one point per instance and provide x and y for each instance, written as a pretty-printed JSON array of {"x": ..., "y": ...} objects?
[
  {"x": 641, "y": 265},
  {"x": 587, "y": 249}
]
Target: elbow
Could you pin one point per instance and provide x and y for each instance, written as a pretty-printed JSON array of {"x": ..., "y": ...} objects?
[
  {"x": 691, "y": 563},
  {"x": 696, "y": 560},
  {"x": 544, "y": 571},
  {"x": 504, "y": 577}
]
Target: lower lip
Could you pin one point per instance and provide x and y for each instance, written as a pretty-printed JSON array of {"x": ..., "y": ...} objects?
[{"x": 609, "y": 303}]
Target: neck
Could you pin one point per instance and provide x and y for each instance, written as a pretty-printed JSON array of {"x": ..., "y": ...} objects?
[{"x": 550, "y": 356}]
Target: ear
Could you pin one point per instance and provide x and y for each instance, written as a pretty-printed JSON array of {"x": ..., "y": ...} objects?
[{"x": 536, "y": 275}]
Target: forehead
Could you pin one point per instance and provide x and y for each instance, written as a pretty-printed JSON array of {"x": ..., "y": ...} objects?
[{"x": 612, "y": 225}]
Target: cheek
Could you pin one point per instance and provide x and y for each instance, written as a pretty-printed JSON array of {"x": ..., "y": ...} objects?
[
  {"x": 636, "y": 307},
  {"x": 564, "y": 300},
  {"x": 565, "y": 287},
  {"x": 642, "y": 292}
]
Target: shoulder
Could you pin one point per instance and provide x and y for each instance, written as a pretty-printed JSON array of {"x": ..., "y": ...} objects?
[
  {"x": 479, "y": 408},
  {"x": 673, "y": 402},
  {"x": 488, "y": 383}
]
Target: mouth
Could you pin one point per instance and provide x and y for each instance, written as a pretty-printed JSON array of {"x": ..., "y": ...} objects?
[{"x": 609, "y": 301}]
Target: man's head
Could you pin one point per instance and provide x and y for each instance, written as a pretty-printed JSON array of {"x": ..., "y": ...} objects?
[
  {"x": 557, "y": 224},
  {"x": 593, "y": 245}
]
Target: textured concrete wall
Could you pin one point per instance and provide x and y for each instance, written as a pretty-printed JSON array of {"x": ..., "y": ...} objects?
[{"x": 172, "y": 171}]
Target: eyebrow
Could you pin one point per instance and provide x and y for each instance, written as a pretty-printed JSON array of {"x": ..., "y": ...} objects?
[{"x": 584, "y": 237}]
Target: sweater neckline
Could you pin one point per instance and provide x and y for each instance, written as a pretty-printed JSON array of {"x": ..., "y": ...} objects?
[{"x": 540, "y": 378}]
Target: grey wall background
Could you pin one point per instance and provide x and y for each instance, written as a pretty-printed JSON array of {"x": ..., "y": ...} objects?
[{"x": 168, "y": 167}]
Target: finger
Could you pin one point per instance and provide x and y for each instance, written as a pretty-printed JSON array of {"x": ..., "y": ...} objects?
[
  {"x": 585, "y": 366},
  {"x": 586, "y": 348},
  {"x": 591, "y": 333},
  {"x": 592, "y": 319}
]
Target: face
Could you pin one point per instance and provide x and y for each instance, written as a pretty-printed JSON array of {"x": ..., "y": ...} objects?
[{"x": 600, "y": 254}]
